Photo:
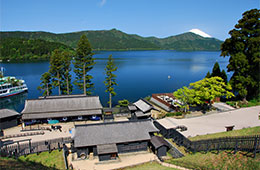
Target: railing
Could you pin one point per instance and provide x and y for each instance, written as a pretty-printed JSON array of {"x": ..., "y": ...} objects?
[
  {"x": 18, "y": 149},
  {"x": 240, "y": 143}
]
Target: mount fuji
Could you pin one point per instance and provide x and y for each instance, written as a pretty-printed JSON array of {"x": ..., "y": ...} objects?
[{"x": 201, "y": 33}]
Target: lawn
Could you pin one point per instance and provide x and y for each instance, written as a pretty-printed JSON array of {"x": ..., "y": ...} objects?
[
  {"x": 224, "y": 160},
  {"x": 241, "y": 132},
  {"x": 149, "y": 166},
  {"x": 44, "y": 160},
  {"x": 254, "y": 102}
]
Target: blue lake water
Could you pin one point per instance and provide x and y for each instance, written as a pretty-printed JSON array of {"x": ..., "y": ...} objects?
[{"x": 139, "y": 74}]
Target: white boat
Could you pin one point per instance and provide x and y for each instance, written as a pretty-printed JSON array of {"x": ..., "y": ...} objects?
[{"x": 10, "y": 86}]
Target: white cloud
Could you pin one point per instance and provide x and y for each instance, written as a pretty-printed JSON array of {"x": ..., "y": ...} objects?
[{"x": 102, "y": 3}]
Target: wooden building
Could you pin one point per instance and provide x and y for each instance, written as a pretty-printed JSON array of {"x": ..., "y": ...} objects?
[
  {"x": 159, "y": 146},
  {"x": 107, "y": 140},
  {"x": 64, "y": 108},
  {"x": 166, "y": 101},
  {"x": 8, "y": 118},
  {"x": 140, "y": 109},
  {"x": 108, "y": 115}
]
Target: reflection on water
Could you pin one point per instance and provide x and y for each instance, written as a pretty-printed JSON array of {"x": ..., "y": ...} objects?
[{"x": 15, "y": 102}]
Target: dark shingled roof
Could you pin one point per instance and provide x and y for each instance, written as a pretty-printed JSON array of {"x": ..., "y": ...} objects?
[
  {"x": 158, "y": 141},
  {"x": 115, "y": 132},
  {"x": 74, "y": 105},
  {"x": 4, "y": 113},
  {"x": 106, "y": 148}
]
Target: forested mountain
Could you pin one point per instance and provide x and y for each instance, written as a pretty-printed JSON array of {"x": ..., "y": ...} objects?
[
  {"x": 118, "y": 40},
  {"x": 21, "y": 49}
]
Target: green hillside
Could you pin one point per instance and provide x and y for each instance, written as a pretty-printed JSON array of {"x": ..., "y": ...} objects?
[
  {"x": 118, "y": 40},
  {"x": 22, "y": 49}
]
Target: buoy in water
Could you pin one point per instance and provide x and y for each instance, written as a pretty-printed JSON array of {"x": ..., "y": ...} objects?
[{"x": 169, "y": 77}]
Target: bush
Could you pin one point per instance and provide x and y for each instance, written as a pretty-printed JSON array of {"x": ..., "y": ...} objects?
[
  {"x": 123, "y": 103},
  {"x": 174, "y": 114}
]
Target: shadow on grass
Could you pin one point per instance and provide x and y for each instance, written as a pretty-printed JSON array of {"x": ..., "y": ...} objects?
[{"x": 17, "y": 164}]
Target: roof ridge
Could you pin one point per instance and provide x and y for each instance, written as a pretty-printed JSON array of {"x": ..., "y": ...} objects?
[
  {"x": 61, "y": 97},
  {"x": 118, "y": 122}
]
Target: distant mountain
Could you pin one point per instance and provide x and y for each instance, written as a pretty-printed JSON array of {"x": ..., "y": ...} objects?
[
  {"x": 118, "y": 40},
  {"x": 21, "y": 49}
]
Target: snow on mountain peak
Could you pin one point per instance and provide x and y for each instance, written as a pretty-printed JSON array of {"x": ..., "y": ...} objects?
[{"x": 201, "y": 33}]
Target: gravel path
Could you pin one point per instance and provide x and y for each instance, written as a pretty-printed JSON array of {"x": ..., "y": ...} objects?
[{"x": 240, "y": 118}]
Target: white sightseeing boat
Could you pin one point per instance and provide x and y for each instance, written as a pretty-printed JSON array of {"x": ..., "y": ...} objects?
[{"x": 10, "y": 86}]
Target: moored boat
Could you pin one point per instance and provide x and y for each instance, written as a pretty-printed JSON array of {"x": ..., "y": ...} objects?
[{"x": 10, "y": 86}]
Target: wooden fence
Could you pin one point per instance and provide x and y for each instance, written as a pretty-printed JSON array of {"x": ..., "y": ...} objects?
[
  {"x": 240, "y": 143},
  {"x": 26, "y": 147}
]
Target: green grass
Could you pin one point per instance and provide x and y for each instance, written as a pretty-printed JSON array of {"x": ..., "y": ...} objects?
[
  {"x": 223, "y": 160},
  {"x": 149, "y": 166},
  {"x": 241, "y": 132},
  {"x": 44, "y": 160},
  {"x": 253, "y": 102}
]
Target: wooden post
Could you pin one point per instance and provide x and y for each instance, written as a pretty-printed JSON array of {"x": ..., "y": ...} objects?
[
  {"x": 30, "y": 146},
  {"x": 49, "y": 147},
  {"x": 59, "y": 146},
  {"x": 236, "y": 146},
  {"x": 18, "y": 148},
  {"x": 255, "y": 146}
]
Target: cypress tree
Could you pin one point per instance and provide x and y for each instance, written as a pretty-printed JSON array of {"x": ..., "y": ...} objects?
[
  {"x": 66, "y": 85},
  {"x": 224, "y": 76},
  {"x": 243, "y": 48},
  {"x": 56, "y": 68},
  {"x": 216, "y": 70},
  {"x": 208, "y": 75},
  {"x": 83, "y": 63},
  {"x": 45, "y": 84},
  {"x": 110, "y": 81}
]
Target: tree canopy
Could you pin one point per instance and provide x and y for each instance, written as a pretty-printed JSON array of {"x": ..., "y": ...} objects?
[
  {"x": 216, "y": 72},
  {"x": 83, "y": 63},
  {"x": 110, "y": 79},
  {"x": 21, "y": 49},
  {"x": 204, "y": 91},
  {"x": 243, "y": 47}
]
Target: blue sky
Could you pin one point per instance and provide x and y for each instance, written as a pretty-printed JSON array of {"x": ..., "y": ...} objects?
[{"x": 160, "y": 18}]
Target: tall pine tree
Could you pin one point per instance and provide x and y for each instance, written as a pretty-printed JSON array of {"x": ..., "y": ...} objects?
[
  {"x": 216, "y": 70},
  {"x": 83, "y": 63},
  {"x": 110, "y": 79},
  {"x": 243, "y": 47},
  {"x": 66, "y": 85},
  {"x": 56, "y": 68},
  {"x": 45, "y": 85}
]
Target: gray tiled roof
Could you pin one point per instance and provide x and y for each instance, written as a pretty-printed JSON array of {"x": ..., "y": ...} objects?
[
  {"x": 62, "y": 107},
  {"x": 106, "y": 148},
  {"x": 142, "y": 114},
  {"x": 143, "y": 105},
  {"x": 63, "y": 114},
  {"x": 158, "y": 141},
  {"x": 7, "y": 113},
  {"x": 132, "y": 107},
  {"x": 116, "y": 132}
]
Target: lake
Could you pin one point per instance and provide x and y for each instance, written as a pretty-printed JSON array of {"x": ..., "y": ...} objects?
[{"x": 139, "y": 74}]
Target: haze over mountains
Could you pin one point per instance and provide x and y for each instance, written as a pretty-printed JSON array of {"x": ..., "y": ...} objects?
[{"x": 118, "y": 40}]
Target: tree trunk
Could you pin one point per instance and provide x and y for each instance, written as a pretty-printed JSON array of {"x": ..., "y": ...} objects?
[
  {"x": 48, "y": 89},
  {"x": 110, "y": 100},
  {"x": 110, "y": 96},
  {"x": 84, "y": 80},
  {"x": 58, "y": 76},
  {"x": 68, "y": 89}
]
